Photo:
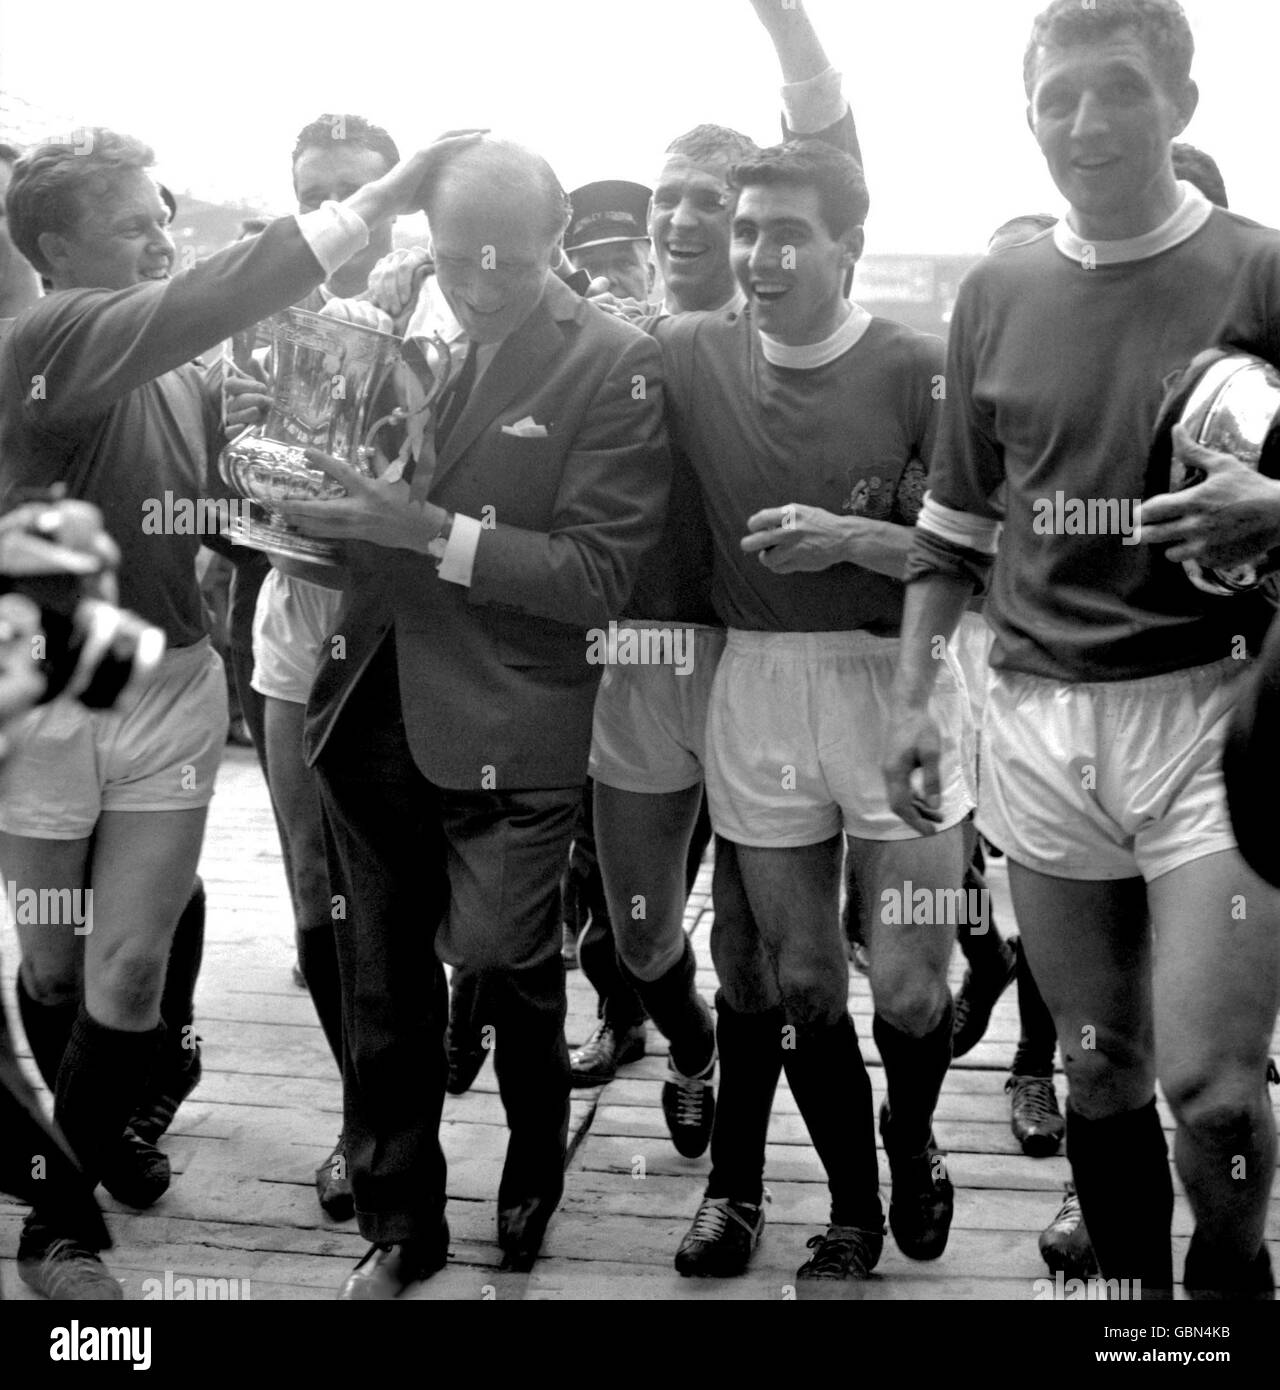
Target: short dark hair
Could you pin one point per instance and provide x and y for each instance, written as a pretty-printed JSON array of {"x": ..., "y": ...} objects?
[
  {"x": 1161, "y": 24},
  {"x": 51, "y": 182},
  {"x": 507, "y": 165},
  {"x": 251, "y": 226},
  {"x": 713, "y": 143},
  {"x": 1041, "y": 221},
  {"x": 342, "y": 128},
  {"x": 837, "y": 177},
  {"x": 1200, "y": 169},
  {"x": 8, "y": 154}
]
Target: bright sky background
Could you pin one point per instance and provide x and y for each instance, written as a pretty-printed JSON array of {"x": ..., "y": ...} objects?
[{"x": 220, "y": 90}]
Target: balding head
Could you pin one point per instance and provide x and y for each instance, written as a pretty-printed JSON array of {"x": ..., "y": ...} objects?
[
  {"x": 497, "y": 213},
  {"x": 504, "y": 174}
]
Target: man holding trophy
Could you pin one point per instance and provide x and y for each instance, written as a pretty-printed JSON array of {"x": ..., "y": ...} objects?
[{"x": 452, "y": 739}]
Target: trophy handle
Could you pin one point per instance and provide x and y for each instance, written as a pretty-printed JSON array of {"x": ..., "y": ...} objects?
[{"x": 432, "y": 382}]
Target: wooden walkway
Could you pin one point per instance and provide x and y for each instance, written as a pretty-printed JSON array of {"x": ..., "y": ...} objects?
[{"x": 243, "y": 1207}]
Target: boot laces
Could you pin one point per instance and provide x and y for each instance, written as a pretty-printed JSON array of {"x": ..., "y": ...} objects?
[
  {"x": 1034, "y": 1098},
  {"x": 714, "y": 1215}
]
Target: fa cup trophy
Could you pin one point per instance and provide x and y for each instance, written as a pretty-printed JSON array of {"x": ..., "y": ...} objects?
[{"x": 326, "y": 376}]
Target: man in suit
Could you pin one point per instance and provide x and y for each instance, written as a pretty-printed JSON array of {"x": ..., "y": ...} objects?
[{"x": 452, "y": 727}]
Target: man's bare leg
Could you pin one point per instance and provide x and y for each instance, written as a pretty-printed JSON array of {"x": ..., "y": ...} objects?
[
  {"x": 49, "y": 975},
  {"x": 1217, "y": 990},
  {"x": 1089, "y": 947},
  {"x": 642, "y": 841},
  {"x": 913, "y": 1019},
  {"x": 794, "y": 900}
]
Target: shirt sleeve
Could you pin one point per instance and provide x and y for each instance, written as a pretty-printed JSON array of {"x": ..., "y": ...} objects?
[
  {"x": 816, "y": 109},
  {"x": 959, "y": 525},
  {"x": 814, "y": 104},
  {"x": 457, "y": 563},
  {"x": 967, "y": 469},
  {"x": 90, "y": 348},
  {"x": 334, "y": 233}
]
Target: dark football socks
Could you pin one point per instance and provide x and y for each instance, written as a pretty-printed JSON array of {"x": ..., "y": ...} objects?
[
  {"x": 48, "y": 1027},
  {"x": 318, "y": 957},
  {"x": 1038, "y": 1038},
  {"x": 914, "y": 1069},
  {"x": 104, "y": 1073},
  {"x": 750, "y": 1048},
  {"x": 679, "y": 1013},
  {"x": 829, "y": 1081},
  {"x": 1121, "y": 1169}
]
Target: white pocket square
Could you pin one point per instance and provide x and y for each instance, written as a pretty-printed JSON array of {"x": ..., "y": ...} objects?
[{"x": 528, "y": 428}]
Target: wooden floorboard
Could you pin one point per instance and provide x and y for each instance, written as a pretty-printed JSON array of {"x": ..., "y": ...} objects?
[{"x": 244, "y": 1148}]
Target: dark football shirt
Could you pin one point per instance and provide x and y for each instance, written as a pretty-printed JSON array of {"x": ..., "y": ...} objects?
[
  {"x": 852, "y": 436},
  {"x": 98, "y": 390},
  {"x": 1054, "y": 381}
]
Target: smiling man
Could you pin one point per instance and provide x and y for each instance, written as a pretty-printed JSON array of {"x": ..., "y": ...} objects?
[
  {"x": 452, "y": 742},
  {"x": 99, "y": 393},
  {"x": 786, "y": 410},
  {"x": 648, "y": 746},
  {"x": 1115, "y": 678}
]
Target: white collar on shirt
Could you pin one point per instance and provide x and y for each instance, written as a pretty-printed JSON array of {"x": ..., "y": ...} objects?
[
  {"x": 811, "y": 355},
  {"x": 1192, "y": 212},
  {"x": 736, "y": 303}
]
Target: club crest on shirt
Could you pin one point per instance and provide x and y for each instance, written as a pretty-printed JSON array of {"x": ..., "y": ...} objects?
[
  {"x": 880, "y": 500},
  {"x": 861, "y": 490}
]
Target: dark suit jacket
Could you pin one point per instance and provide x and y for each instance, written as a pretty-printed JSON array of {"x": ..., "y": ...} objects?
[{"x": 495, "y": 686}]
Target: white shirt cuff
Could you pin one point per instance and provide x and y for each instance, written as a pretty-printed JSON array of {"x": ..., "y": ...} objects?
[
  {"x": 815, "y": 103},
  {"x": 334, "y": 233},
  {"x": 978, "y": 533},
  {"x": 459, "y": 558}
]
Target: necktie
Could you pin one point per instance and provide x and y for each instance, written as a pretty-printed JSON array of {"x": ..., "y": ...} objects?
[{"x": 457, "y": 399}]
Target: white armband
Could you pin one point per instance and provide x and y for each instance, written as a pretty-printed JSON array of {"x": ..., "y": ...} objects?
[{"x": 965, "y": 529}]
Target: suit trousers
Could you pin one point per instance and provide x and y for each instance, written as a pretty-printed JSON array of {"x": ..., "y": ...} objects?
[{"x": 427, "y": 874}]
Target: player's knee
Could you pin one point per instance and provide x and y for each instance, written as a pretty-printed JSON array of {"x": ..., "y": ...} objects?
[
  {"x": 51, "y": 982},
  {"x": 814, "y": 997},
  {"x": 648, "y": 961},
  {"x": 1220, "y": 1108},
  {"x": 912, "y": 1004},
  {"x": 1100, "y": 1061},
  {"x": 132, "y": 980}
]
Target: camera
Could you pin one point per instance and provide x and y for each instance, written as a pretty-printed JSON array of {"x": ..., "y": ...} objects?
[{"x": 55, "y": 553}]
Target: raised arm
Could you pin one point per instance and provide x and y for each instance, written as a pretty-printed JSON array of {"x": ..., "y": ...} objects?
[
  {"x": 85, "y": 349},
  {"x": 813, "y": 99}
]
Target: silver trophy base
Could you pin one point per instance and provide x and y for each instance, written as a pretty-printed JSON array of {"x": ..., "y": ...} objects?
[{"x": 273, "y": 536}]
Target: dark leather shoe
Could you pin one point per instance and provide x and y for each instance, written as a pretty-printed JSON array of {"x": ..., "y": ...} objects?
[
  {"x": 521, "y": 1230},
  {"x": 387, "y": 1271},
  {"x": 607, "y": 1049},
  {"x": 333, "y": 1185},
  {"x": 136, "y": 1172}
]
